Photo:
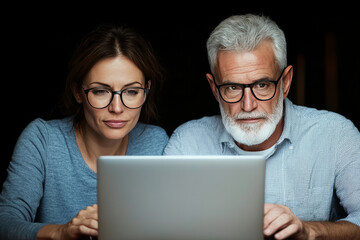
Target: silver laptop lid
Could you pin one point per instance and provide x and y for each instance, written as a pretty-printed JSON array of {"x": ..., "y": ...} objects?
[{"x": 181, "y": 197}]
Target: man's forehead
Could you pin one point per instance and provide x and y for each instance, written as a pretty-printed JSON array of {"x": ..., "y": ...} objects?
[
  {"x": 246, "y": 65},
  {"x": 263, "y": 52}
]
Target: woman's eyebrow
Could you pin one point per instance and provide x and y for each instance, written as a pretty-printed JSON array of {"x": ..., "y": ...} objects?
[
  {"x": 129, "y": 84},
  {"x": 107, "y": 85},
  {"x": 100, "y": 83}
]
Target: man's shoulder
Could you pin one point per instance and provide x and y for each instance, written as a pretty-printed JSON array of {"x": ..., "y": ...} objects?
[
  {"x": 202, "y": 125},
  {"x": 311, "y": 115},
  {"x": 199, "y": 136},
  {"x": 316, "y": 121}
]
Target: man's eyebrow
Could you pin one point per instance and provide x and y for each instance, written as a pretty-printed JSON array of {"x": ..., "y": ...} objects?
[
  {"x": 255, "y": 81},
  {"x": 264, "y": 79}
]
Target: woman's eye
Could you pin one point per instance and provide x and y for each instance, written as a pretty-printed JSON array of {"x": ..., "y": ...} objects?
[
  {"x": 132, "y": 92},
  {"x": 100, "y": 91}
]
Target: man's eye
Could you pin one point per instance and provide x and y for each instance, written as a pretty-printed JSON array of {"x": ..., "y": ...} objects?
[
  {"x": 234, "y": 88},
  {"x": 261, "y": 85}
]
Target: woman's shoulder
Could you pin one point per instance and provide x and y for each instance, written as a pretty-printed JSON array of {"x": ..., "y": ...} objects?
[
  {"x": 147, "y": 139},
  {"x": 39, "y": 136},
  {"x": 61, "y": 123},
  {"x": 143, "y": 129},
  {"x": 41, "y": 127}
]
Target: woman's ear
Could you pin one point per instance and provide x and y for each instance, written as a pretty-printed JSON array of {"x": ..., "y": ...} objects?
[
  {"x": 148, "y": 84},
  {"x": 211, "y": 80},
  {"x": 77, "y": 95}
]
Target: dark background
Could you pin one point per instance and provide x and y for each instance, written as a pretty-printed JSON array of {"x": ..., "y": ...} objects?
[{"x": 37, "y": 43}]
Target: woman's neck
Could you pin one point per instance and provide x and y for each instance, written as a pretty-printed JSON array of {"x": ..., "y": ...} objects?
[{"x": 91, "y": 146}]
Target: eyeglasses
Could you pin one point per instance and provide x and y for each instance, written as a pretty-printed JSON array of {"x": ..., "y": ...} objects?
[
  {"x": 262, "y": 90},
  {"x": 101, "y": 97}
]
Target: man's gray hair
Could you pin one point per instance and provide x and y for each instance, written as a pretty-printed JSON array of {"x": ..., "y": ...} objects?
[{"x": 244, "y": 33}]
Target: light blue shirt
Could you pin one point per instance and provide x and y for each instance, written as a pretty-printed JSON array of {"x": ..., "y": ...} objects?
[{"x": 314, "y": 168}]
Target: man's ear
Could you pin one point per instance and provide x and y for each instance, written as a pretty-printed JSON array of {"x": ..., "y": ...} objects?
[
  {"x": 287, "y": 79},
  {"x": 211, "y": 80}
]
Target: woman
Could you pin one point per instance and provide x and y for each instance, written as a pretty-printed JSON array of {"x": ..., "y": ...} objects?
[{"x": 50, "y": 191}]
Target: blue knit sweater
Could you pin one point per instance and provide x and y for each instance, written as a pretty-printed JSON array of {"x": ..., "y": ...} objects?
[{"x": 48, "y": 180}]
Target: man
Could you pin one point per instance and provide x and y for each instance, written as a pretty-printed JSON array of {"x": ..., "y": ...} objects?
[{"x": 313, "y": 157}]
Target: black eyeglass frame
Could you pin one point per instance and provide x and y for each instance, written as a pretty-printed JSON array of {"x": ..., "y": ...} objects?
[
  {"x": 86, "y": 91},
  {"x": 243, "y": 86}
]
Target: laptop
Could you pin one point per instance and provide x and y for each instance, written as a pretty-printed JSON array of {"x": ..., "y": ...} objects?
[{"x": 181, "y": 197}]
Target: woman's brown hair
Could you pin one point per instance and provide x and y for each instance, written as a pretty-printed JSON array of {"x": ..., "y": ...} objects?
[{"x": 108, "y": 41}]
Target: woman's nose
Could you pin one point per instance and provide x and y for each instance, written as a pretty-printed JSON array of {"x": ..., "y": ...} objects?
[{"x": 116, "y": 105}]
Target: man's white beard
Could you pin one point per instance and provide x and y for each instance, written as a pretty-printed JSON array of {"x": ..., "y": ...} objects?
[{"x": 253, "y": 133}]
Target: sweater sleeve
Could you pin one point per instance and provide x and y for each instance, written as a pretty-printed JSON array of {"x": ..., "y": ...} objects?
[{"x": 23, "y": 188}]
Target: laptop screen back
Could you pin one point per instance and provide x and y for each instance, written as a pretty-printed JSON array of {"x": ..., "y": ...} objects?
[{"x": 181, "y": 197}]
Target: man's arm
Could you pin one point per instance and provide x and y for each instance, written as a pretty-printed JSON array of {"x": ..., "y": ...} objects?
[
  {"x": 333, "y": 230},
  {"x": 281, "y": 223}
]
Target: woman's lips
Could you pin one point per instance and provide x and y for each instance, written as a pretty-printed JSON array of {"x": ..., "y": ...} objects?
[{"x": 115, "y": 123}]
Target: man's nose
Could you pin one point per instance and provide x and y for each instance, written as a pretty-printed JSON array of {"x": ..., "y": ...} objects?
[{"x": 248, "y": 102}]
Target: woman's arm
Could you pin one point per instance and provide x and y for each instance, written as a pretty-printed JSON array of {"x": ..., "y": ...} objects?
[
  {"x": 23, "y": 188},
  {"x": 85, "y": 223}
]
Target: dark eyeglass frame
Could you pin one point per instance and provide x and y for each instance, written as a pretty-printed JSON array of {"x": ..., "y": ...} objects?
[
  {"x": 86, "y": 91},
  {"x": 243, "y": 86}
]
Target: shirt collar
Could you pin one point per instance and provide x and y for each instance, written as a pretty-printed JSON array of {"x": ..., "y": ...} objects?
[
  {"x": 288, "y": 119},
  {"x": 226, "y": 140}
]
